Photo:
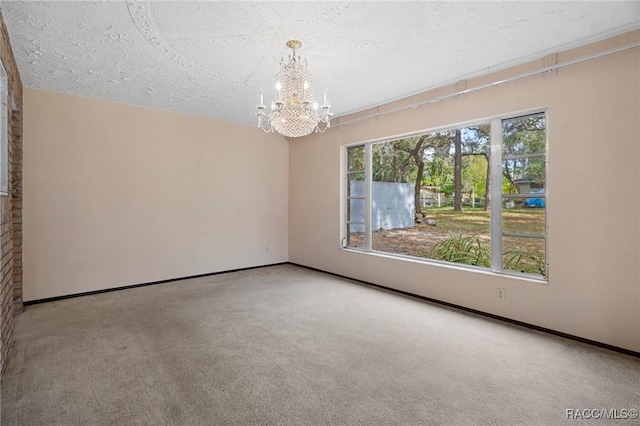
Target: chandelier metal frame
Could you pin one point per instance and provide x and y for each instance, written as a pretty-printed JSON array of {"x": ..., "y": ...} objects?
[{"x": 294, "y": 112}]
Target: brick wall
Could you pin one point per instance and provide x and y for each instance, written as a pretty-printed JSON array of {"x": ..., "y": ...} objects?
[{"x": 11, "y": 205}]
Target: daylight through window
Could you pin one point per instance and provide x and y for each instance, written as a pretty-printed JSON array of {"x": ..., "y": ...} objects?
[{"x": 473, "y": 195}]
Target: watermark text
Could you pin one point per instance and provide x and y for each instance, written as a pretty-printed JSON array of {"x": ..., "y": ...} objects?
[{"x": 601, "y": 413}]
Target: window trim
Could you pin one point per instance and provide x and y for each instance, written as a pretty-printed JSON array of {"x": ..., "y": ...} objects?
[{"x": 496, "y": 229}]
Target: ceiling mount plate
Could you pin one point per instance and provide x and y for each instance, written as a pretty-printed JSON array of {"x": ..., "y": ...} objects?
[{"x": 294, "y": 44}]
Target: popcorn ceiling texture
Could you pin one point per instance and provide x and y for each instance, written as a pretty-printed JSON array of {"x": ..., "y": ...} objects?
[
  {"x": 211, "y": 58},
  {"x": 11, "y": 204}
]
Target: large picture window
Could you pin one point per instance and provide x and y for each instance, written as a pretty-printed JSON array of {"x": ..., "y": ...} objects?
[{"x": 473, "y": 195}]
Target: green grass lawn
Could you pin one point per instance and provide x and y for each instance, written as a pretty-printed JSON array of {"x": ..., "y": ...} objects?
[{"x": 477, "y": 221}]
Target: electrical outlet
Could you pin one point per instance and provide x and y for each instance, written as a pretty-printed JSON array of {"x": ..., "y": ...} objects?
[{"x": 500, "y": 293}]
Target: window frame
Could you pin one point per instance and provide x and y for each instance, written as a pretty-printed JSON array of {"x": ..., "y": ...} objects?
[{"x": 497, "y": 205}]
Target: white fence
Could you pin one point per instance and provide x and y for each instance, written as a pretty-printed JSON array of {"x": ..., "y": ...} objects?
[{"x": 393, "y": 205}]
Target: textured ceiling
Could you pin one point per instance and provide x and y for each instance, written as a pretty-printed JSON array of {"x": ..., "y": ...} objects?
[{"x": 211, "y": 58}]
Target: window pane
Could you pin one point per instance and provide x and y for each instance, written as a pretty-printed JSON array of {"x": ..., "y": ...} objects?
[
  {"x": 355, "y": 236},
  {"x": 526, "y": 255},
  {"x": 524, "y": 215},
  {"x": 355, "y": 210},
  {"x": 355, "y": 196},
  {"x": 524, "y": 176},
  {"x": 355, "y": 187},
  {"x": 523, "y": 135},
  {"x": 450, "y": 222},
  {"x": 355, "y": 158}
]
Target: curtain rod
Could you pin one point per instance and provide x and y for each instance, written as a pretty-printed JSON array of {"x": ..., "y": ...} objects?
[{"x": 496, "y": 83}]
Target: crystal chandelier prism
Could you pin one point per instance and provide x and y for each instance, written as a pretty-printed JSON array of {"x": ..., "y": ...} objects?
[{"x": 294, "y": 112}]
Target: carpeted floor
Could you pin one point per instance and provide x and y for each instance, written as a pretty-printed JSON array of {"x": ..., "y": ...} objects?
[{"x": 286, "y": 345}]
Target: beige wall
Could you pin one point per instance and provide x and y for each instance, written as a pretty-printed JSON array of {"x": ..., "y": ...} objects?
[
  {"x": 118, "y": 195},
  {"x": 593, "y": 131}
]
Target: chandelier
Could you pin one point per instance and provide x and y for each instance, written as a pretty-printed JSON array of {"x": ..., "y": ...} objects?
[{"x": 294, "y": 112}]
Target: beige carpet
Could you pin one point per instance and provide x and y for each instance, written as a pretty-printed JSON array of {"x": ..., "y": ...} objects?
[{"x": 286, "y": 345}]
